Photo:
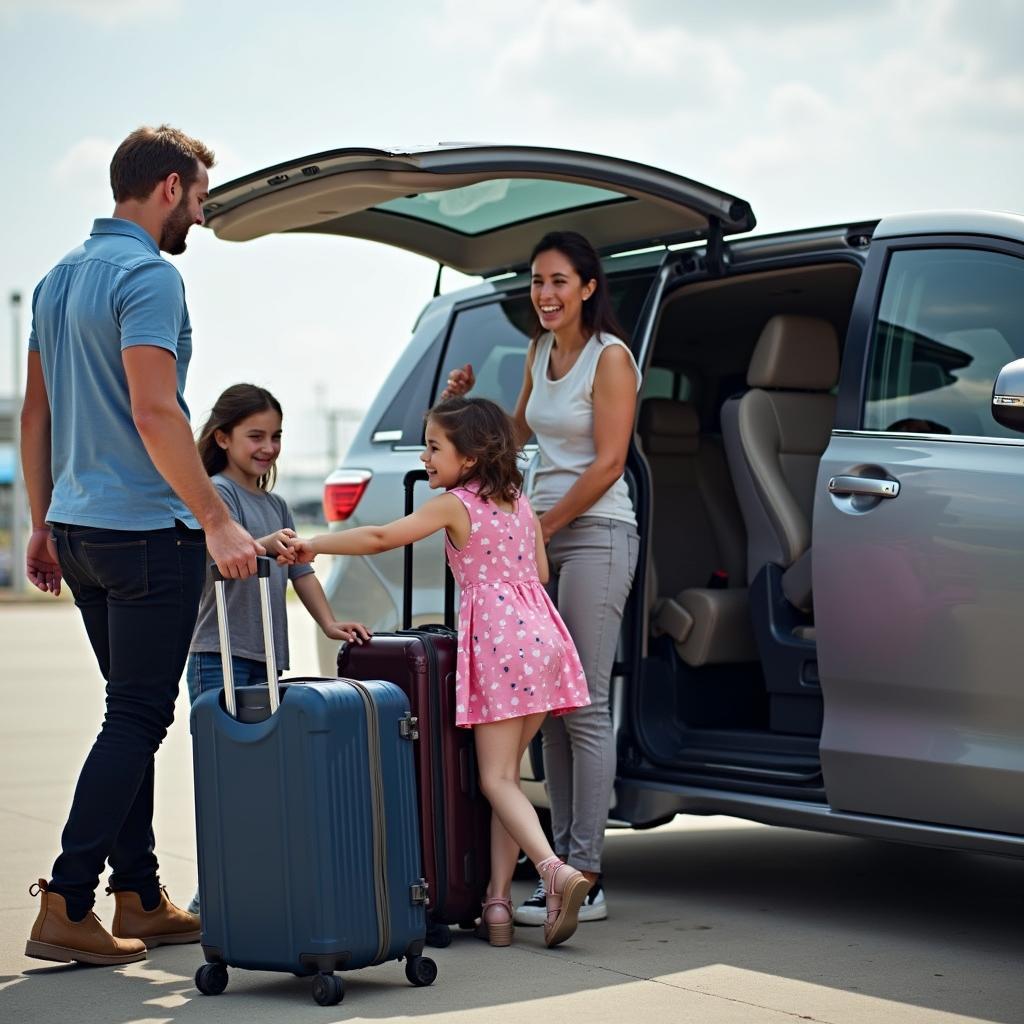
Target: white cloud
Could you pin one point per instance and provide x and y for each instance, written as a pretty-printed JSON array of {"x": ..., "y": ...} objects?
[
  {"x": 581, "y": 57},
  {"x": 86, "y": 165}
]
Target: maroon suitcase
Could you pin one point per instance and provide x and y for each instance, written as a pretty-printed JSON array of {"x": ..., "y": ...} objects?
[{"x": 455, "y": 817}]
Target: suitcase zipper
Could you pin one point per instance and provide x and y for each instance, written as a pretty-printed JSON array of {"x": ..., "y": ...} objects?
[{"x": 380, "y": 872}]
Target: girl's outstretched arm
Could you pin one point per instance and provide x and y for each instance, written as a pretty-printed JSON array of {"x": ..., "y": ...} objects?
[{"x": 445, "y": 512}]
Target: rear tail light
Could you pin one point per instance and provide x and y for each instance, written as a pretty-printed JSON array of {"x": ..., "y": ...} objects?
[{"x": 342, "y": 491}]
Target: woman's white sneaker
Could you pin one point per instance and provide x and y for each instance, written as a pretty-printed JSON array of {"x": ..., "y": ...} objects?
[
  {"x": 594, "y": 908},
  {"x": 532, "y": 911}
]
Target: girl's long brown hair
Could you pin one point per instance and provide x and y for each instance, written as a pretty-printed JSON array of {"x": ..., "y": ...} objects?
[
  {"x": 482, "y": 430},
  {"x": 237, "y": 403}
]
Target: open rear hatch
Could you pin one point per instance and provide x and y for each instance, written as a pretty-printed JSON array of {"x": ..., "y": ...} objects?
[{"x": 478, "y": 209}]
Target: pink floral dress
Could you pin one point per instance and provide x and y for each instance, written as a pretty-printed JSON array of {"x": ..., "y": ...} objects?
[{"x": 515, "y": 656}]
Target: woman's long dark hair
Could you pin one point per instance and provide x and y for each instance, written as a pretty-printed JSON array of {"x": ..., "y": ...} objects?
[
  {"x": 482, "y": 430},
  {"x": 238, "y": 402},
  {"x": 598, "y": 315}
]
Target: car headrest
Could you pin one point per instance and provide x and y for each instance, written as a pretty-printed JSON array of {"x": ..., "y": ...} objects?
[
  {"x": 667, "y": 427},
  {"x": 795, "y": 352}
]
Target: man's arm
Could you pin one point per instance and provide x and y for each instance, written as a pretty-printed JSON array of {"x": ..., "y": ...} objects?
[
  {"x": 41, "y": 564},
  {"x": 153, "y": 387}
]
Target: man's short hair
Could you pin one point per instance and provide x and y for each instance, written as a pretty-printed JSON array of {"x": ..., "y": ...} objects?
[{"x": 149, "y": 155}]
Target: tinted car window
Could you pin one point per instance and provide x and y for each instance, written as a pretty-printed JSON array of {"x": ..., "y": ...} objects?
[
  {"x": 661, "y": 382},
  {"x": 949, "y": 320},
  {"x": 402, "y": 422}
]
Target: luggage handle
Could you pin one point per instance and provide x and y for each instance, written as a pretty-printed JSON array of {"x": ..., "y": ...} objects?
[
  {"x": 410, "y": 480},
  {"x": 263, "y": 573}
]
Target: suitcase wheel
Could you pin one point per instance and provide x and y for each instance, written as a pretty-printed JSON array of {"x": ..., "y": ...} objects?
[
  {"x": 439, "y": 935},
  {"x": 328, "y": 989},
  {"x": 420, "y": 970},
  {"x": 212, "y": 979}
]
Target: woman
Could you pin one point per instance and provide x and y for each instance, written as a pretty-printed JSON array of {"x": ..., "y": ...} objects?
[{"x": 579, "y": 399}]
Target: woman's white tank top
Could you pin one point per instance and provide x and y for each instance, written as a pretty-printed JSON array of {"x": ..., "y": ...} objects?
[{"x": 561, "y": 415}]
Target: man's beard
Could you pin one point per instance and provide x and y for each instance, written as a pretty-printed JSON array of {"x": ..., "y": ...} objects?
[{"x": 175, "y": 229}]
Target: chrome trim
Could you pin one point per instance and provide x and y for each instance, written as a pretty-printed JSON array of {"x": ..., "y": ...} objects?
[
  {"x": 864, "y": 485},
  {"x": 945, "y": 438},
  {"x": 385, "y": 435},
  {"x": 227, "y": 667},
  {"x": 225, "y": 649},
  {"x": 273, "y": 686},
  {"x": 1007, "y": 400},
  {"x": 348, "y": 476},
  {"x": 655, "y": 295}
]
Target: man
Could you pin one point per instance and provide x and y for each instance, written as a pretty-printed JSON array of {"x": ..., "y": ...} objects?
[{"x": 120, "y": 503}]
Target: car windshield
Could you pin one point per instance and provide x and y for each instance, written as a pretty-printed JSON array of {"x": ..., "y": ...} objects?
[{"x": 489, "y": 205}]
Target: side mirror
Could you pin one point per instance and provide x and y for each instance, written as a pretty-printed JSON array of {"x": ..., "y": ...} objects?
[{"x": 1008, "y": 396}]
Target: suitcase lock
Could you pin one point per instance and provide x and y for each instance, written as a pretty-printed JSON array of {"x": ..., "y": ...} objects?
[
  {"x": 408, "y": 727},
  {"x": 418, "y": 891}
]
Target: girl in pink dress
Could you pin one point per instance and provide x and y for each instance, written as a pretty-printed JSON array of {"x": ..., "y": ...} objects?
[{"x": 516, "y": 661}]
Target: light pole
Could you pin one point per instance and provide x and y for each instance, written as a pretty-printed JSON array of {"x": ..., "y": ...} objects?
[{"x": 17, "y": 484}]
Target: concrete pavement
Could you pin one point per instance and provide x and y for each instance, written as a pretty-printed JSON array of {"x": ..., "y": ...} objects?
[{"x": 712, "y": 920}]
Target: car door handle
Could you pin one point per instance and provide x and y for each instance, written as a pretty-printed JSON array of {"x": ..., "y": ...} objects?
[{"x": 864, "y": 485}]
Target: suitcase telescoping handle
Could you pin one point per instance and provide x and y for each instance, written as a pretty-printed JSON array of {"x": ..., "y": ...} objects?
[
  {"x": 413, "y": 477},
  {"x": 263, "y": 574}
]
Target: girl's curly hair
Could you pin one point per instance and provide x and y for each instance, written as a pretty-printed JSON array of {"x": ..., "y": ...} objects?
[{"x": 481, "y": 429}]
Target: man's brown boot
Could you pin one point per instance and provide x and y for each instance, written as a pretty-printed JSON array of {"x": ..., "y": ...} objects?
[
  {"x": 165, "y": 925},
  {"x": 55, "y": 936}
]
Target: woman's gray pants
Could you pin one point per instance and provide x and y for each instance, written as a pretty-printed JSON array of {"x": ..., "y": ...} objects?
[{"x": 592, "y": 560}]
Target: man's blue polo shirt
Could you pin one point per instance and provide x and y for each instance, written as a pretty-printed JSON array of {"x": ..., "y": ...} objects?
[{"x": 111, "y": 293}]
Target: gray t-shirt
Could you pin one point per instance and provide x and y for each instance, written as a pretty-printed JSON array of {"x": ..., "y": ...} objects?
[{"x": 261, "y": 514}]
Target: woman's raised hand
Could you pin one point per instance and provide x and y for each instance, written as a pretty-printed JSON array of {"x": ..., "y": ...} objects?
[{"x": 460, "y": 382}]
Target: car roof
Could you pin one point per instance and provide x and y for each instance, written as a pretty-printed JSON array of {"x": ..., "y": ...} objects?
[{"x": 946, "y": 222}]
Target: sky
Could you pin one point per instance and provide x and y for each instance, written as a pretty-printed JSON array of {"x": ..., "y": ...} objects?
[{"x": 815, "y": 111}]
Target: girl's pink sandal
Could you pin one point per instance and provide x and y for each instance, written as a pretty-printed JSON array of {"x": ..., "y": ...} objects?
[
  {"x": 565, "y": 889},
  {"x": 496, "y": 932}
]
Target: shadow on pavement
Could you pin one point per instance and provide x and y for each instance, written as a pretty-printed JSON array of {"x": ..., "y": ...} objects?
[{"x": 769, "y": 918}]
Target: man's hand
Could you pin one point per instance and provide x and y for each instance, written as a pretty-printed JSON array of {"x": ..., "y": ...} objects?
[
  {"x": 41, "y": 565},
  {"x": 233, "y": 550},
  {"x": 460, "y": 382},
  {"x": 352, "y": 632}
]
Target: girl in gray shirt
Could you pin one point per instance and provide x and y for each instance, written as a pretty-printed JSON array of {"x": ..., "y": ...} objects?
[{"x": 239, "y": 446}]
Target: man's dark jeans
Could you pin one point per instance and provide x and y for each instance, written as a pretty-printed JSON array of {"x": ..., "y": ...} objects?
[{"x": 138, "y": 592}]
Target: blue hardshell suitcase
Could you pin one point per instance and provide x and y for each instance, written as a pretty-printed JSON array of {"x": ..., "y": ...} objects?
[{"x": 307, "y": 826}]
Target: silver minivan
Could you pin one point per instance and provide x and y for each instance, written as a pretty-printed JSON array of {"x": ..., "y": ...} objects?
[{"x": 829, "y": 391}]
